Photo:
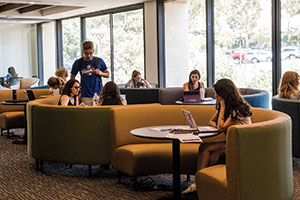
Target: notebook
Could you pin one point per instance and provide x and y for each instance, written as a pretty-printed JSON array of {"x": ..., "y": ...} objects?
[
  {"x": 29, "y": 95},
  {"x": 191, "y": 97}
]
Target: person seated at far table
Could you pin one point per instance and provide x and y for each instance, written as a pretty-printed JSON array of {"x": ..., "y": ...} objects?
[
  {"x": 56, "y": 85},
  {"x": 11, "y": 77},
  {"x": 231, "y": 109},
  {"x": 70, "y": 93},
  {"x": 289, "y": 86},
  {"x": 193, "y": 83},
  {"x": 62, "y": 73},
  {"x": 110, "y": 95},
  {"x": 137, "y": 81}
]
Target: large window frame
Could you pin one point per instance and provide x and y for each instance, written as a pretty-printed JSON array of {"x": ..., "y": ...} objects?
[{"x": 276, "y": 40}]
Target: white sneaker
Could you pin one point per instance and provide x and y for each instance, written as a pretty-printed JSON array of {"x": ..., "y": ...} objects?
[{"x": 191, "y": 188}]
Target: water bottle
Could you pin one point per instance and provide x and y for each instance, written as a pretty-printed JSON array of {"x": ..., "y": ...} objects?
[
  {"x": 202, "y": 93},
  {"x": 95, "y": 100}
]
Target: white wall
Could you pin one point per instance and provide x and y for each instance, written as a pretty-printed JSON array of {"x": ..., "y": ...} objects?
[
  {"x": 151, "y": 57},
  {"x": 18, "y": 48},
  {"x": 176, "y": 30},
  {"x": 49, "y": 53}
]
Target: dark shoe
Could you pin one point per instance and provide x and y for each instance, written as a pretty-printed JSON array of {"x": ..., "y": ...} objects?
[
  {"x": 105, "y": 167},
  {"x": 19, "y": 141}
]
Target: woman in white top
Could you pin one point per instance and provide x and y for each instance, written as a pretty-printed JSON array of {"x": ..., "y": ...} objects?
[
  {"x": 289, "y": 86},
  {"x": 232, "y": 109},
  {"x": 137, "y": 81}
]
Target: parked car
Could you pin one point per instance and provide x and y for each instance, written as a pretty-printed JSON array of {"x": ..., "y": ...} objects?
[
  {"x": 290, "y": 52},
  {"x": 255, "y": 56},
  {"x": 236, "y": 56}
]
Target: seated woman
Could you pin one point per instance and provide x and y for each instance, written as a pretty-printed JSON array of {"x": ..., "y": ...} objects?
[
  {"x": 193, "y": 83},
  {"x": 110, "y": 95},
  {"x": 137, "y": 81},
  {"x": 56, "y": 85},
  {"x": 11, "y": 77},
  {"x": 232, "y": 109},
  {"x": 69, "y": 95},
  {"x": 289, "y": 86},
  {"x": 62, "y": 73}
]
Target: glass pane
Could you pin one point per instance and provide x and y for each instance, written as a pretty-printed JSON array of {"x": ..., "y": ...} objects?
[
  {"x": 243, "y": 42},
  {"x": 49, "y": 53},
  {"x": 128, "y": 31},
  {"x": 98, "y": 31},
  {"x": 185, "y": 39},
  {"x": 71, "y": 41},
  {"x": 197, "y": 38},
  {"x": 290, "y": 30}
]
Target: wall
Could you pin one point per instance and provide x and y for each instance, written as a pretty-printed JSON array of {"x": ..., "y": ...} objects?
[
  {"x": 151, "y": 57},
  {"x": 18, "y": 48}
]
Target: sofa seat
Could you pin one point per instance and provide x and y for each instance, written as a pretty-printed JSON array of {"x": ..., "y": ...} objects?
[
  {"x": 13, "y": 119},
  {"x": 213, "y": 182},
  {"x": 138, "y": 159}
]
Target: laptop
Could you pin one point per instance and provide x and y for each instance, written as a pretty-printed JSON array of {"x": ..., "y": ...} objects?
[
  {"x": 29, "y": 95},
  {"x": 192, "y": 123},
  {"x": 191, "y": 97}
]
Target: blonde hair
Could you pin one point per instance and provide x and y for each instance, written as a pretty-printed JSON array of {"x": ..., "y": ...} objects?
[
  {"x": 135, "y": 73},
  {"x": 289, "y": 84},
  {"x": 61, "y": 72}
]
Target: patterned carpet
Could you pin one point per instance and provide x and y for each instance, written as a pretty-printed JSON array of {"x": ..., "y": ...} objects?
[{"x": 20, "y": 181}]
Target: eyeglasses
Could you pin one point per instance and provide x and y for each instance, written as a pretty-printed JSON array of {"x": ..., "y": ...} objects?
[
  {"x": 88, "y": 53},
  {"x": 76, "y": 87}
]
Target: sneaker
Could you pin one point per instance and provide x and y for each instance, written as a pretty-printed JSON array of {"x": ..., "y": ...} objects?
[{"x": 191, "y": 188}]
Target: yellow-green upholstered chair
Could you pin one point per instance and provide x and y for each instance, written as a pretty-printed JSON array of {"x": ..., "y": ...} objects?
[{"x": 258, "y": 162}]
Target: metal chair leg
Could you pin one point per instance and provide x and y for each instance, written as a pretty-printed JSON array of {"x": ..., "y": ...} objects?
[
  {"x": 188, "y": 178},
  {"x": 90, "y": 171},
  {"x": 37, "y": 162},
  {"x": 135, "y": 183},
  {"x": 119, "y": 177}
]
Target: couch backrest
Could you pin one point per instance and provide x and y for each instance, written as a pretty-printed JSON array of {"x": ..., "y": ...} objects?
[
  {"x": 127, "y": 118},
  {"x": 7, "y": 95},
  {"x": 259, "y": 158},
  {"x": 141, "y": 95},
  {"x": 292, "y": 108},
  {"x": 69, "y": 134}
]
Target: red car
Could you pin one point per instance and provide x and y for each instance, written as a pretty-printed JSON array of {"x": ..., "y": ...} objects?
[{"x": 236, "y": 56}]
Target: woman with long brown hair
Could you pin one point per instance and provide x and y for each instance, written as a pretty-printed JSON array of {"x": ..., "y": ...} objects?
[
  {"x": 231, "y": 109},
  {"x": 110, "y": 95},
  {"x": 289, "y": 86}
]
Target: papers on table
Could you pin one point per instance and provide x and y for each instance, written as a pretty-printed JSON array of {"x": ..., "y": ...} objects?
[
  {"x": 207, "y": 129},
  {"x": 184, "y": 138}
]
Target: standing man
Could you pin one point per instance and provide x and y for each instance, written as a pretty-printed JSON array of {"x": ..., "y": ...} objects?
[{"x": 91, "y": 69}]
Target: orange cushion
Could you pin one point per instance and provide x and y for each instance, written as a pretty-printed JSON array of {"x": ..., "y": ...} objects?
[{"x": 13, "y": 119}]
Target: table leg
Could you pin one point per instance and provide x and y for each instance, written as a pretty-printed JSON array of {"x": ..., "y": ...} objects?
[{"x": 176, "y": 169}]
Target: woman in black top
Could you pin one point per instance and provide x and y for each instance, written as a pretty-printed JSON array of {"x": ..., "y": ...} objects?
[
  {"x": 69, "y": 95},
  {"x": 110, "y": 95},
  {"x": 194, "y": 83}
]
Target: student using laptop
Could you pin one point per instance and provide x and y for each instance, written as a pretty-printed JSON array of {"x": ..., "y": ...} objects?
[
  {"x": 193, "y": 83},
  {"x": 232, "y": 109}
]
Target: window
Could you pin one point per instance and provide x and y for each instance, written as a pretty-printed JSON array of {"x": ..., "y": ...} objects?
[
  {"x": 98, "y": 31},
  {"x": 71, "y": 41},
  {"x": 290, "y": 29},
  {"x": 185, "y": 36},
  {"x": 243, "y": 43},
  {"x": 128, "y": 40}
]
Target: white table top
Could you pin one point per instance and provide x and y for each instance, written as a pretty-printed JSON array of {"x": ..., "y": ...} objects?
[{"x": 163, "y": 132}]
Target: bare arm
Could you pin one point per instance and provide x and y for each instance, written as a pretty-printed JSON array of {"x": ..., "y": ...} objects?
[
  {"x": 147, "y": 83},
  {"x": 186, "y": 87},
  {"x": 202, "y": 85},
  {"x": 105, "y": 73},
  {"x": 223, "y": 125},
  {"x": 123, "y": 101},
  {"x": 64, "y": 100},
  {"x": 213, "y": 120}
]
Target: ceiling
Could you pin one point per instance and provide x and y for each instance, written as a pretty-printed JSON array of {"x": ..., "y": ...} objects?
[{"x": 33, "y": 11}]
